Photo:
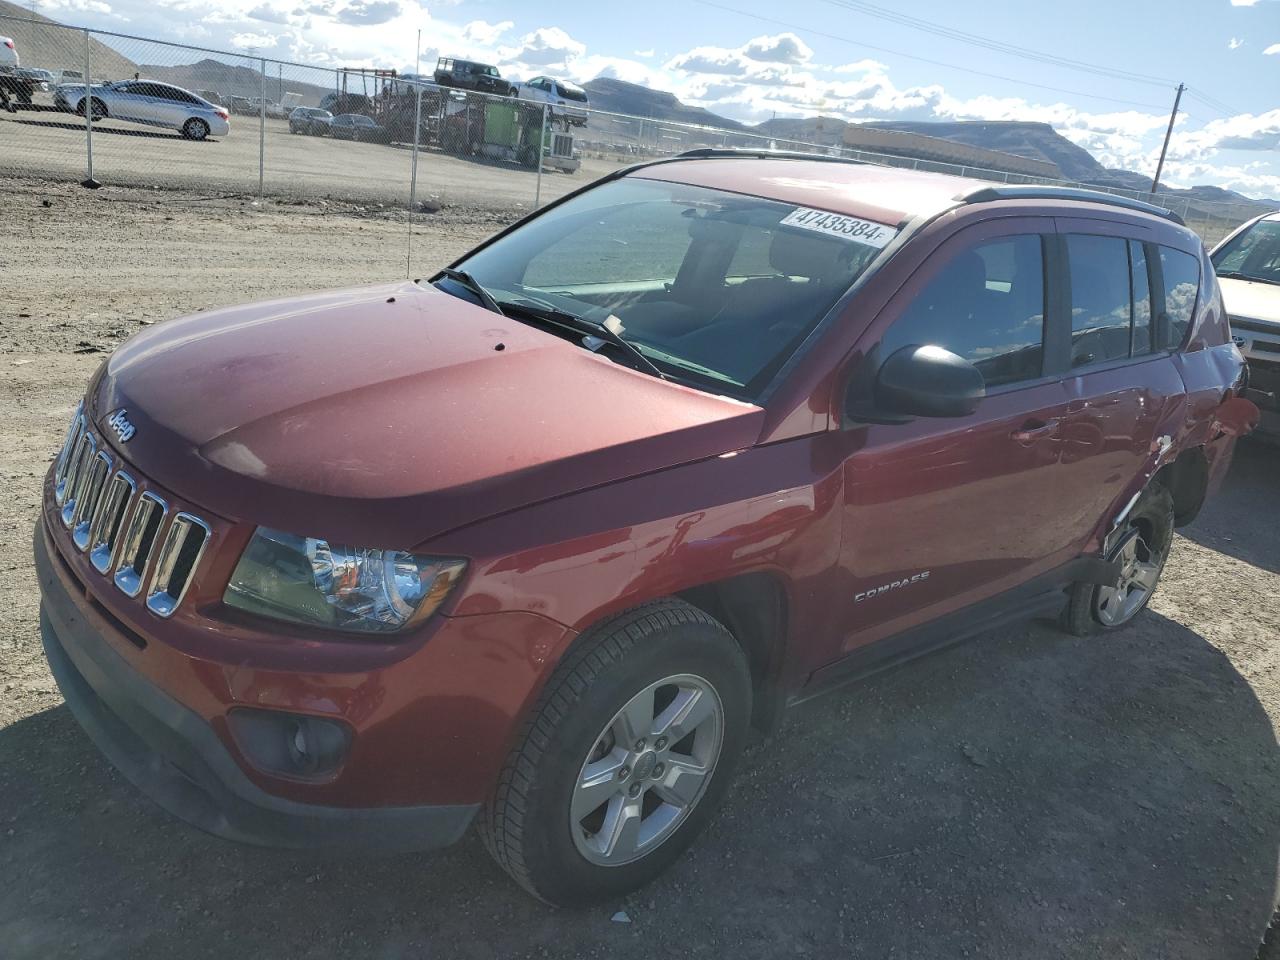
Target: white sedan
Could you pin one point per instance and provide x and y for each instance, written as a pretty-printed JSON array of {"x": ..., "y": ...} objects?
[
  {"x": 149, "y": 102},
  {"x": 568, "y": 100}
]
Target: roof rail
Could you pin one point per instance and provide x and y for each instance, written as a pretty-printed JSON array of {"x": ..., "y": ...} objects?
[
  {"x": 1037, "y": 192},
  {"x": 716, "y": 153}
]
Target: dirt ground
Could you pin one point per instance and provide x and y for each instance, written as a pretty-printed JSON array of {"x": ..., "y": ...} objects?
[{"x": 1027, "y": 794}]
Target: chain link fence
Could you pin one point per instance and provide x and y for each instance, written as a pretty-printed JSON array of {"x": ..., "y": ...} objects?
[{"x": 289, "y": 130}]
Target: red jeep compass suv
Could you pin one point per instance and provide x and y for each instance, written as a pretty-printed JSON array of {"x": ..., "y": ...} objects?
[{"x": 538, "y": 542}]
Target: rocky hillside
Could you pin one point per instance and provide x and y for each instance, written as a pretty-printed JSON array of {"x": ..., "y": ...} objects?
[
  {"x": 236, "y": 80},
  {"x": 618, "y": 96}
]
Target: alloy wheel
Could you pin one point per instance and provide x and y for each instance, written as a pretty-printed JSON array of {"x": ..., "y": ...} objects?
[
  {"x": 1140, "y": 570},
  {"x": 647, "y": 770}
]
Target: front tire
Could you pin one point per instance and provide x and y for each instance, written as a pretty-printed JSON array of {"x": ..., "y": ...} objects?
[
  {"x": 625, "y": 757},
  {"x": 98, "y": 108},
  {"x": 1142, "y": 551}
]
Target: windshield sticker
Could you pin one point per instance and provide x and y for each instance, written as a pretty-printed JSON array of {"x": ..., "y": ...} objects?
[{"x": 838, "y": 225}]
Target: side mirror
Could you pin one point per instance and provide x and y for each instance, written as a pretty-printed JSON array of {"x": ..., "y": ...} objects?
[{"x": 929, "y": 381}]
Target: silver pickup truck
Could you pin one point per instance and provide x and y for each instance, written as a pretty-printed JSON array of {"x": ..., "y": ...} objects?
[{"x": 1248, "y": 267}]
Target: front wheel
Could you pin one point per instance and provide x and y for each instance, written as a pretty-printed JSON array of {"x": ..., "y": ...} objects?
[
  {"x": 97, "y": 108},
  {"x": 625, "y": 757},
  {"x": 1141, "y": 550}
]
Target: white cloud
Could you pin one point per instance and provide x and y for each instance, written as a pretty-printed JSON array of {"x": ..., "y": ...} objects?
[
  {"x": 647, "y": 54},
  {"x": 246, "y": 41},
  {"x": 1235, "y": 43},
  {"x": 782, "y": 48},
  {"x": 861, "y": 66},
  {"x": 267, "y": 14},
  {"x": 77, "y": 6},
  {"x": 478, "y": 31},
  {"x": 368, "y": 12},
  {"x": 1274, "y": 48},
  {"x": 546, "y": 47}
]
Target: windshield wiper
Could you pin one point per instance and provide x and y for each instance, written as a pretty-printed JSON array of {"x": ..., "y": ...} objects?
[
  {"x": 1237, "y": 275},
  {"x": 610, "y": 331},
  {"x": 462, "y": 278}
]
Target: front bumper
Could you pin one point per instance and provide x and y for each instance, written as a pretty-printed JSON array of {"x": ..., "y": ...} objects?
[{"x": 174, "y": 756}]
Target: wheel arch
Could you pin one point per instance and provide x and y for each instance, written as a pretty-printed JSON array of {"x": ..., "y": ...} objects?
[
  {"x": 1187, "y": 480},
  {"x": 754, "y": 608}
]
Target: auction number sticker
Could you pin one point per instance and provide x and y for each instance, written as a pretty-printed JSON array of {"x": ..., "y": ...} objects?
[{"x": 838, "y": 225}]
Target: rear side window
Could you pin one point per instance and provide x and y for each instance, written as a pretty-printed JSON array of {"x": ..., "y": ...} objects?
[
  {"x": 987, "y": 305},
  {"x": 1180, "y": 274},
  {"x": 1101, "y": 299}
]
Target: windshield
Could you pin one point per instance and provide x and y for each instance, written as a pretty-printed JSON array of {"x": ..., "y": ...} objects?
[
  {"x": 1252, "y": 255},
  {"x": 716, "y": 289}
]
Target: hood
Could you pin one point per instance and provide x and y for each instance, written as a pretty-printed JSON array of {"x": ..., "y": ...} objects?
[
  {"x": 385, "y": 416},
  {"x": 1251, "y": 299}
]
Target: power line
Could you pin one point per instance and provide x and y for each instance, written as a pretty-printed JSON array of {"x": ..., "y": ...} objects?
[
  {"x": 912, "y": 56},
  {"x": 1213, "y": 103},
  {"x": 1000, "y": 46}
]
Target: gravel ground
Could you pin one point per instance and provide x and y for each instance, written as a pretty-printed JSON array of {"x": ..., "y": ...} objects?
[
  {"x": 53, "y": 145},
  {"x": 1025, "y": 794}
]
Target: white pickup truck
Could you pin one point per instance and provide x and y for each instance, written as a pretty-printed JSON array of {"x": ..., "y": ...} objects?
[{"x": 1248, "y": 267}]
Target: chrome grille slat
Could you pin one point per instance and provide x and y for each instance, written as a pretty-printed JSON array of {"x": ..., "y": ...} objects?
[
  {"x": 104, "y": 535},
  {"x": 176, "y": 563},
  {"x": 87, "y": 503},
  {"x": 125, "y": 529},
  {"x": 139, "y": 543},
  {"x": 78, "y": 475},
  {"x": 64, "y": 455}
]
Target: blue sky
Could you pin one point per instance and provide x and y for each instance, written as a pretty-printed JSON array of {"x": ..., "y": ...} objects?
[{"x": 751, "y": 58}]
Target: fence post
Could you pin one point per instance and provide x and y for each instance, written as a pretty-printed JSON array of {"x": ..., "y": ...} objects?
[
  {"x": 87, "y": 103},
  {"x": 542, "y": 147},
  {"x": 413, "y": 180},
  {"x": 262, "y": 129}
]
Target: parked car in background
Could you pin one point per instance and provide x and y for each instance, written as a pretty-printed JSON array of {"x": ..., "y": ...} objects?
[
  {"x": 471, "y": 75},
  {"x": 273, "y": 109},
  {"x": 242, "y": 106},
  {"x": 567, "y": 101},
  {"x": 540, "y": 541},
  {"x": 1248, "y": 267},
  {"x": 147, "y": 102},
  {"x": 311, "y": 121},
  {"x": 42, "y": 80},
  {"x": 356, "y": 126},
  {"x": 67, "y": 76},
  {"x": 213, "y": 96}
]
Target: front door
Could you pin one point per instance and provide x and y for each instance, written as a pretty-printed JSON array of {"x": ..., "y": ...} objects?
[{"x": 942, "y": 513}]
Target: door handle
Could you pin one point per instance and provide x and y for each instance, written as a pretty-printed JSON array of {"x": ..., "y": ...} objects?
[{"x": 1033, "y": 430}]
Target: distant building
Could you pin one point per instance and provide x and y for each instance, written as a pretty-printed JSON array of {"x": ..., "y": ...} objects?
[{"x": 919, "y": 147}]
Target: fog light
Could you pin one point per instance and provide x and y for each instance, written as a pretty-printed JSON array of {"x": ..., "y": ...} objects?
[{"x": 290, "y": 744}]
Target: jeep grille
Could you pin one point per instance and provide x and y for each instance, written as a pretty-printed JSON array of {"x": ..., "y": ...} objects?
[{"x": 127, "y": 535}]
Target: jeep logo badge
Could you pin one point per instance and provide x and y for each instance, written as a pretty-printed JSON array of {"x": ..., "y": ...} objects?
[{"x": 119, "y": 422}]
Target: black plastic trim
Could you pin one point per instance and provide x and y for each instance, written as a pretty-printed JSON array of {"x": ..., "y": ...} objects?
[{"x": 1042, "y": 596}]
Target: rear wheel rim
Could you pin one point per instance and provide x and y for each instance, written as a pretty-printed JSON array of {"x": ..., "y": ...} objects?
[
  {"x": 1140, "y": 570},
  {"x": 647, "y": 770}
]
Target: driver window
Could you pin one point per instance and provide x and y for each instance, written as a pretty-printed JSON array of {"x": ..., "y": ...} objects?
[{"x": 987, "y": 305}]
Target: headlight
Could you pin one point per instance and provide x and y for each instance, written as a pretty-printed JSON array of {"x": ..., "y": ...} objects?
[{"x": 311, "y": 581}]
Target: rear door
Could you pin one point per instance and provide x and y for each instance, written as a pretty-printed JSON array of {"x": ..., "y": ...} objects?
[
  {"x": 1122, "y": 383},
  {"x": 942, "y": 513}
]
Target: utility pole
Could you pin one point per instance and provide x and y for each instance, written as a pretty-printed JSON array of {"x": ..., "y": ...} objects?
[{"x": 1155, "y": 182}]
